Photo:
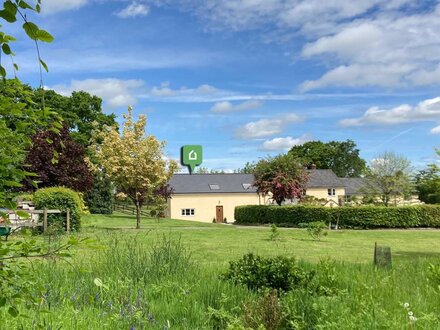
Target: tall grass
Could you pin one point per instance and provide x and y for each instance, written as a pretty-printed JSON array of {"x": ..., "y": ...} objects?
[{"x": 145, "y": 281}]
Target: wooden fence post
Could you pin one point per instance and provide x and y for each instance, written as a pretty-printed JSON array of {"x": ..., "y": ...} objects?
[
  {"x": 45, "y": 220},
  {"x": 68, "y": 221}
]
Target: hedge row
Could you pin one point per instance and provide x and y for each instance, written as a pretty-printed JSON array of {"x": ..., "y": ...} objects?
[{"x": 348, "y": 217}]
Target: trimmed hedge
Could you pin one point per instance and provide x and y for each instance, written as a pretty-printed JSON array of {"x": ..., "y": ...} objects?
[
  {"x": 62, "y": 199},
  {"x": 349, "y": 217}
]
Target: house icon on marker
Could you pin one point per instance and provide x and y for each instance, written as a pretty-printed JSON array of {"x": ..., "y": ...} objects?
[{"x": 192, "y": 155}]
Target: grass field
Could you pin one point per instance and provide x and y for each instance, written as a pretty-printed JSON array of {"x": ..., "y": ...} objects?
[{"x": 166, "y": 276}]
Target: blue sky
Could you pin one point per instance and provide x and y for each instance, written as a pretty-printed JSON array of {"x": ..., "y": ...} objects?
[{"x": 250, "y": 78}]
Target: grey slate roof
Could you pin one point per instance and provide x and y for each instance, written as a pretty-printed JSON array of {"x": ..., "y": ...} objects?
[
  {"x": 324, "y": 179},
  {"x": 353, "y": 186},
  {"x": 233, "y": 182},
  {"x": 200, "y": 183}
]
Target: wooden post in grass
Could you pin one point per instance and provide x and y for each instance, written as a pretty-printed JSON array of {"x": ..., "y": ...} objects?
[
  {"x": 68, "y": 221},
  {"x": 382, "y": 256},
  {"x": 45, "y": 220}
]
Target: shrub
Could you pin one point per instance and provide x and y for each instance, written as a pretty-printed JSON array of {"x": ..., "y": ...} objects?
[
  {"x": 316, "y": 229},
  {"x": 100, "y": 198},
  {"x": 62, "y": 199},
  {"x": 278, "y": 273},
  {"x": 274, "y": 232},
  {"x": 348, "y": 217}
]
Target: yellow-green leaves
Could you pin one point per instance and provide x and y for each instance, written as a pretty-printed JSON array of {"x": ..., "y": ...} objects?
[{"x": 35, "y": 33}]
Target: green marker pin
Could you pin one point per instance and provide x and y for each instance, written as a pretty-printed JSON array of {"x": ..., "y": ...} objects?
[{"x": 192, "y": 156}]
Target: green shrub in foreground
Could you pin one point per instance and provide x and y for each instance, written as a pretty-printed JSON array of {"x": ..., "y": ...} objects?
[
  {"x": 60, "y": 198},
  {"x": 347, "y": 217},
  {"x": 278, "y": 273}
]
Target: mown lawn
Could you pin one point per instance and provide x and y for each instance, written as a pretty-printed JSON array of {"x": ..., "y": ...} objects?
[
  {"x": 218, "y": 243},
  {"x": 167, "y": 275}
]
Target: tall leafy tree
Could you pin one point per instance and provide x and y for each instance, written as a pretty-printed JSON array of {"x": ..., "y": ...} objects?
[
  {"x": 389, "y": 176},
  {"x": 428, "y": 183},
  {"x": 99, "y": 198},
  {"x": 81, "y": 112},
  {"x": 282, "y": 176},
  {"x": 133, "y": 160},
  {"x": 58, "y": 160},
  {"x": 340, "y": 156},
  {"x": 19, "y": 119}
]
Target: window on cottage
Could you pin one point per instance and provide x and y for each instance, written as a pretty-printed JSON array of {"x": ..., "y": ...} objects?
[
  {"x": 187, "y": 212},
  {"x": 331, "y": 192},
  {"x": 246, "y": 186}
]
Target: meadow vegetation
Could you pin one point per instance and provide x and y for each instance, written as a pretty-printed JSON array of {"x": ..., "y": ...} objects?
[{"x": 177, "y": 275}]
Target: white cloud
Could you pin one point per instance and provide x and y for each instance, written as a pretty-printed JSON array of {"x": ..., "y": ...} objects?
[
  {"x": 133, "y": 10},
  {"x": 164, "y": 91},
  {"x": 226, "y": 106},
  {"x": 266, "y": 127},
  {"x": 360, "y": 43},
  {"x": 53, "y": 6},
  {"x": 115, "y": 92},
  {"x": 66, "y": 60},
  {"x": 284, "y": 143},
  {"x": 390, "y": 49},
  {"x": 427, "y": 110},
  {"x": 435, "y": 130}
]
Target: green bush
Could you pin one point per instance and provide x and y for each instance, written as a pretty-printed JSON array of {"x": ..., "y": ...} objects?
[
  {"x": 99, "y": 199},
  {"x": 316, "y": 229},
  {"x": 347, "y": 217},
  {"x": 61, "y": 199},
  {"x": 278, "y": 273}
]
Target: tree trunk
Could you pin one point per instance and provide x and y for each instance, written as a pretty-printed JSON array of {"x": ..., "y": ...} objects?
[{"x": 138, "y": 215}]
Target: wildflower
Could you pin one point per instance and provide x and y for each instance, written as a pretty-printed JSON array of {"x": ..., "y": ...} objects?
[
  {"x": 406, "y": 305},
  {"x": 410, "y": 314}
]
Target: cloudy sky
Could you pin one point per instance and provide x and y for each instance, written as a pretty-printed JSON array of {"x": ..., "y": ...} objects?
[{"x": 250, "y": 78}]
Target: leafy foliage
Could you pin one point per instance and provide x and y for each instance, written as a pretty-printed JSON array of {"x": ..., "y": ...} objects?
[
  {"x": 341, "y": 157},
  {"x": 20, "y": 117},
  {"x": 60, "y": 198},
  {"x": 256, "y": 272},
  {"x": 428, "y": 184},
  {"x": 389, "y": 175},
  {"x": 316, "y": 229},
  {"x": 58, "y": 160},
  {"x": 274, "y": 232},
  {"x": 282, "y": 176},
  {"x": 132, "y": 160},
  {"x": 99, "y": 199},
  {"x": 81, "y": 112},
  {"x": 12, "y": 9},
  {"x": 347, "y": 217},
  {"x": 18, "y": 283}
]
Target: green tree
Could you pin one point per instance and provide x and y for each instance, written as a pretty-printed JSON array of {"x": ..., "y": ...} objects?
[
  {"x": 99, "y": 199},
  {"x": 133, "y": 160},
  {"x": 248, "y": 168},
  {"x": 19, "y": 119},
  {"x": 283, "y": 177},
  {"x": 389, "y": 176},
  {"x": 340, "y": 156},
  {"x": 428, "y": 184},
  {"x": 81, "y": 112}
]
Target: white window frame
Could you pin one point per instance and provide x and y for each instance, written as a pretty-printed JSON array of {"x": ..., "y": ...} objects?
[
  {"x": 331, "y": 192},
  {"x": 187, "y": 212}
]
